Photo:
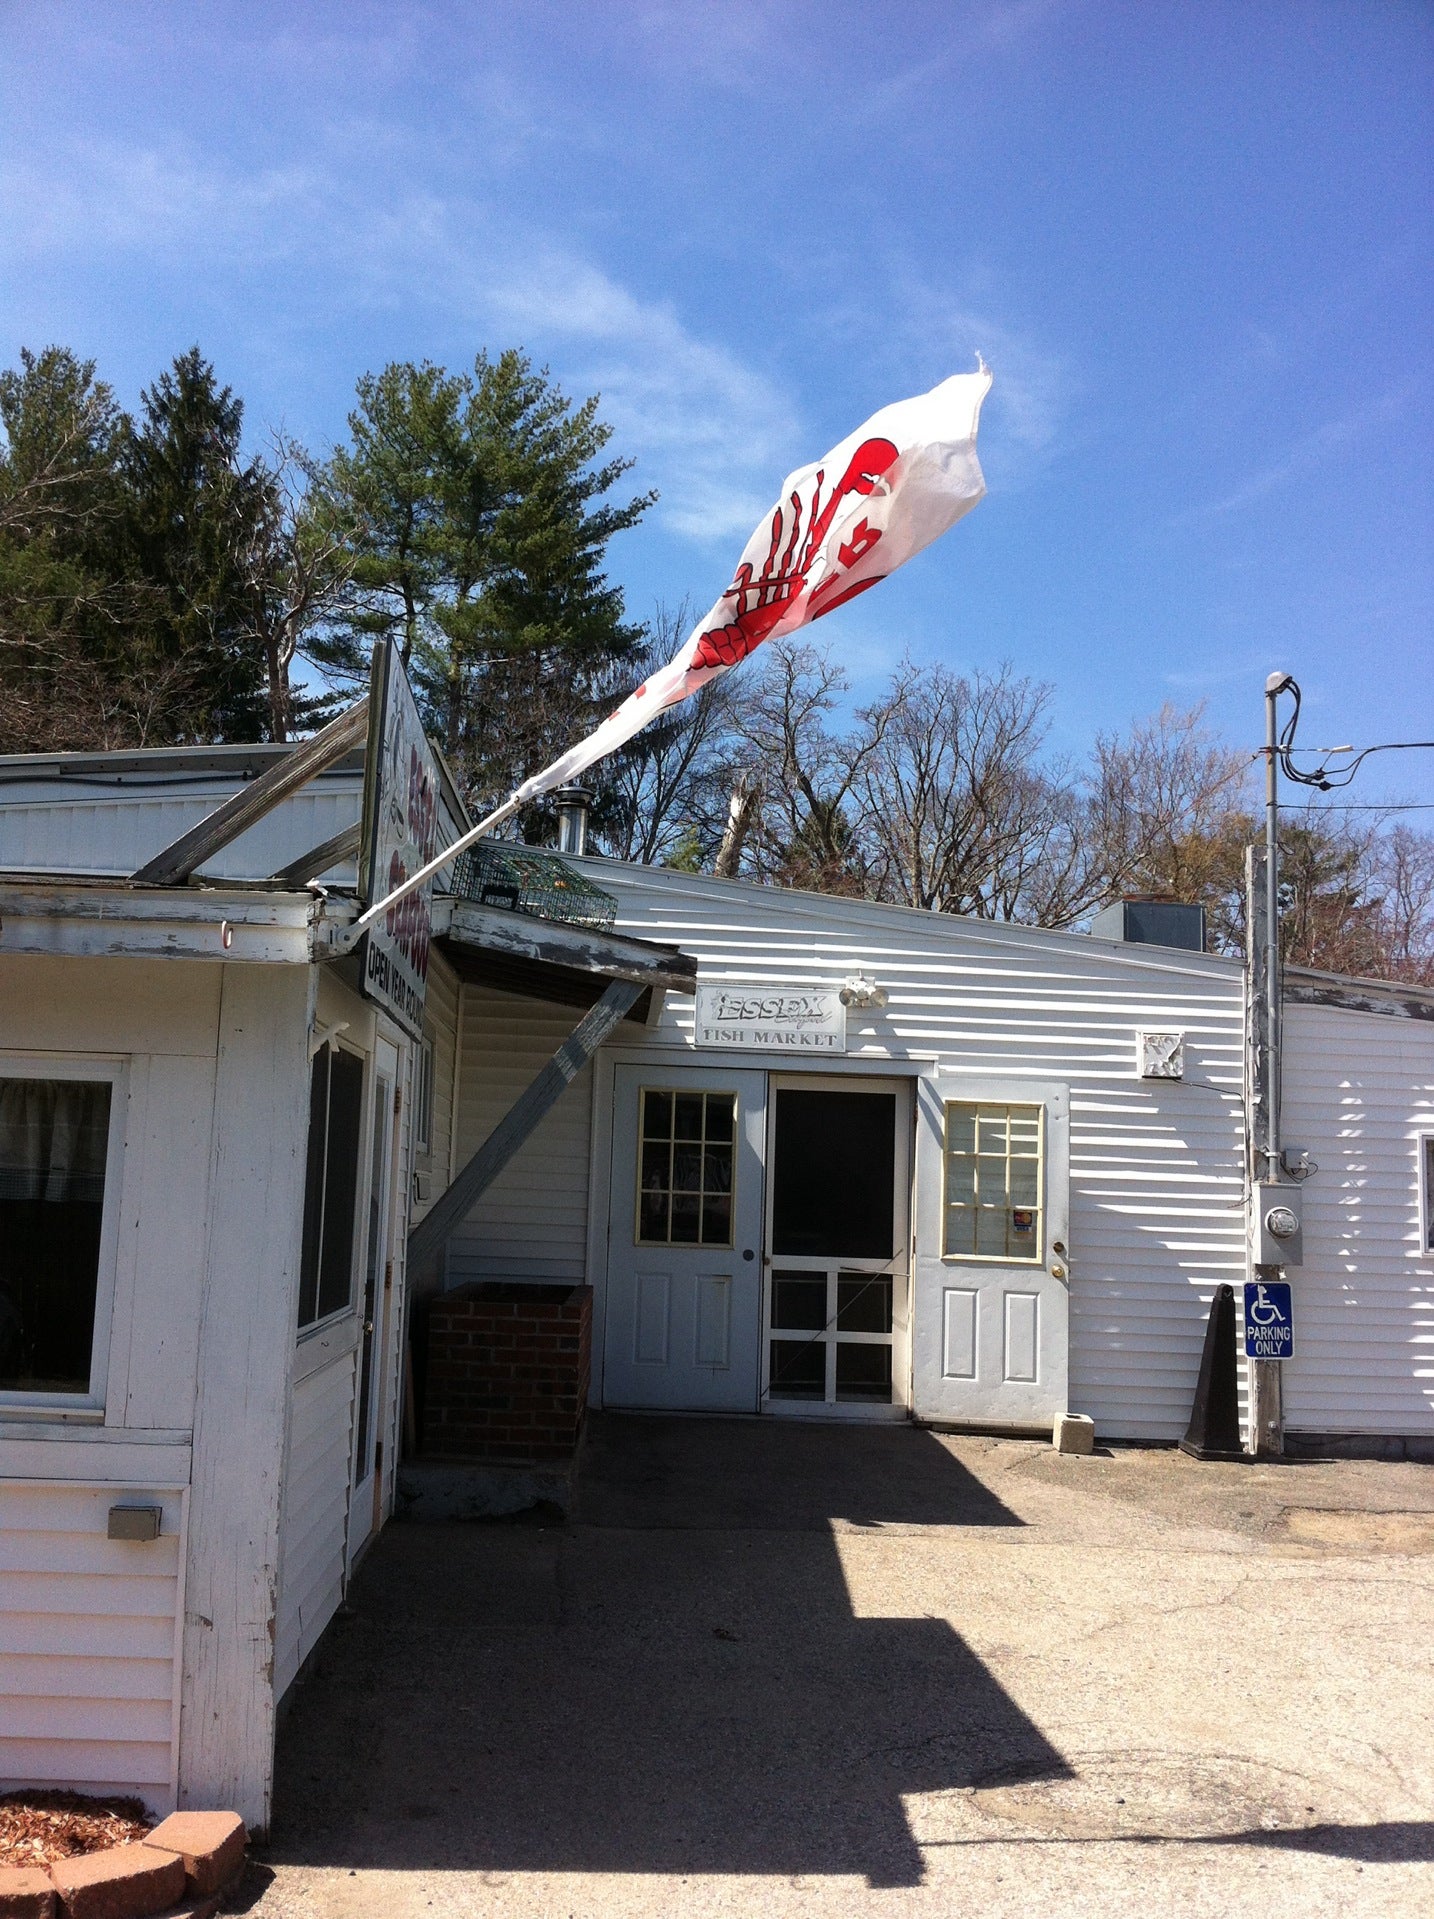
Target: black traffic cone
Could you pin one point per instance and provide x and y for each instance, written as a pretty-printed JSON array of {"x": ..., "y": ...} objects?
[{"x": 1214, "y": 1431}]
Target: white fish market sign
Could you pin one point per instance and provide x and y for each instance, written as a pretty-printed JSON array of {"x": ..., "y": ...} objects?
[
  {"x": 400, "y": 834},
  {"x": 778, "y": 1019}
]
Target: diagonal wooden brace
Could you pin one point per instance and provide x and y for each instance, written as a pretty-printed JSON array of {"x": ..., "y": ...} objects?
[
  {"x": 519, "y": 1122},
  {"x": 173, "y": 866}
]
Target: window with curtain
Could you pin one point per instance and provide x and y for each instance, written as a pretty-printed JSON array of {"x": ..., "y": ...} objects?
[{"x": 54, "y": 1140}]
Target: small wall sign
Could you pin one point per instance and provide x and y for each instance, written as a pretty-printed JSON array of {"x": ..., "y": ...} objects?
[
  {"x": 761, "y": 1019},
  {"x": 1269, "y": 1320}
]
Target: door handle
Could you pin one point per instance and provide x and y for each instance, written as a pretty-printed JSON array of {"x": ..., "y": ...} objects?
[{"x": 747, "y": 1253}]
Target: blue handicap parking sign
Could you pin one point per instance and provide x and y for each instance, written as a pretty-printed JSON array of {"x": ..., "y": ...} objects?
[{"x": 1269, "y": 1320}]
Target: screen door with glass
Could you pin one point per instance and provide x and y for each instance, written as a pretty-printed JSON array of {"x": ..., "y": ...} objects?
[{"x": 836, "y": 1302}]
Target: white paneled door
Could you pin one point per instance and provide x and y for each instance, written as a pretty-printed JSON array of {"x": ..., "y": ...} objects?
[
  {"x": 684, "y": 1287},
  {"x": 991, "y": 1321}
]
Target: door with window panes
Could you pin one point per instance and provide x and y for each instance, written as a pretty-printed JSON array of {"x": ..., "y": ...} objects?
[
  {"x": 990, "y": 1327},
  {"x": 684, "y": 1286},
  {"x": 836, "y": 1298}
]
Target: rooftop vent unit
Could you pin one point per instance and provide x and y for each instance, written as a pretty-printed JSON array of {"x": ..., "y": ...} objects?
[{"x": 1152, "y": 923}]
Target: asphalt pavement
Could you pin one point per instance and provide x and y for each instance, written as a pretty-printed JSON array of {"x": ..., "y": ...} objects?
[{"x": 800, "y": 1669}]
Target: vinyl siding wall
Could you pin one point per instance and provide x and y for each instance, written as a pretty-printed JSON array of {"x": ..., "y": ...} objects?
[
  {"x": 313, "y": 1525},
  {"x": 89, "y": 1639},
  {"x": 89, "y": 1626},
  {"x": 531, "y": 1224},
  {"x": 1359, "y": 1092},
  {"x": 1157, "y": 1168},
  {"x": 440, "y": 1025}
]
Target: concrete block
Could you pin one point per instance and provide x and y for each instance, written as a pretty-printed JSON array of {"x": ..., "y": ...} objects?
[
  {"x": 211, "y": 1844},
  {"x": 26, "y": 1893},
  {"x": 123, "y": 1882},
  {"x": 1074, "y": 1433}
]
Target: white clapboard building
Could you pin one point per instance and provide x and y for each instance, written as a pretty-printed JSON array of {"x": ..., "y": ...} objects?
[{"x": 815, "y": 1157}]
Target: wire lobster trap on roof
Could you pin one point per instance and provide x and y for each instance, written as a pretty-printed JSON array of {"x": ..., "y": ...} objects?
[{"x": 526, "y": 880}]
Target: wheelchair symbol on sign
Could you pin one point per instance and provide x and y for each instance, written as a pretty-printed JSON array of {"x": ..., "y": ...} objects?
[{"x": 1263, "y": 1311}]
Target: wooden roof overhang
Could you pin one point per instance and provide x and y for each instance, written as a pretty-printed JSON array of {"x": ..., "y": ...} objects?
[{"x": 550, "y": 960}]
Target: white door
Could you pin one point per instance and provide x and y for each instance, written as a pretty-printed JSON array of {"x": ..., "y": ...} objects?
[
  {"x": 375, "y": 1293},
  {"x": 990, "y": 1332},
  {"x": 684, "y": 1284},
  {"x": 837, "y": 1318}
]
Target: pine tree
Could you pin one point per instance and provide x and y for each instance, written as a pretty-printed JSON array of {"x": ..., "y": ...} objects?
[
  {"x": 479, "y": 525},
  {"x": 191, "y": 521}
]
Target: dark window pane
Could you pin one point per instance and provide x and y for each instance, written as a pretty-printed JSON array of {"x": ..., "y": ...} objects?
[
  {"x": 340, "y": 1182},
  {"x": 656, "y": 1165},
  {"x": 798, "y": 1369},
  {"x": 314, "y": 1188},
  {"x": 652, "y": 1217},
  {"x": 687, "y": 1123},
  {"x": 657, "y": 1115},
  {"x": 686, "y": 1168},
  {"x": 717, "y": 1169},
  {"x": 686, "y": 1209},
  {"x": 54, "y": 1137},
  {"x": 720, "y": 1107},
  {"x": 799, "y": 1301},
  {"x": 863, "y": 1372},
  {"x": 864, "y": 1303},
  {"x": 834, "y": 1174},
  {"x": 716, "y": 1221}
]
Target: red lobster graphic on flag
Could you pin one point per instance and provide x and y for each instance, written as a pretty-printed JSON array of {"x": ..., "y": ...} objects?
[{"x": 761, "y": 599}]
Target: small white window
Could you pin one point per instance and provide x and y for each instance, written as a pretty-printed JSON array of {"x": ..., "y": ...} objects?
[
  {"x": 423, "y": 1099},
  {"x": 994, "y": 1198},
  {"x": 60, "y": 1128}
]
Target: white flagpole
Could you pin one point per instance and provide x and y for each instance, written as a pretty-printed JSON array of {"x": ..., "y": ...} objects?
[{"x": 436, "y": 864}]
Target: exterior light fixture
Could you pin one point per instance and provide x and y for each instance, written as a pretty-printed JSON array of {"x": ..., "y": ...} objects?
[{"x": 863, "y": 993}]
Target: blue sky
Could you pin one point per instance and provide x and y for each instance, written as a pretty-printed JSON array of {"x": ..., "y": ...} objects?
[{"x": 1193, "y": 242}]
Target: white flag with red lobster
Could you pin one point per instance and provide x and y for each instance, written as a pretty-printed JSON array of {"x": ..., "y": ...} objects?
[{"x": 842, "y": 525}]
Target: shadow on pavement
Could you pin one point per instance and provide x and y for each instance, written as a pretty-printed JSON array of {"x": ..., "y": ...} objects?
[{"x": 674, "y": 1683}]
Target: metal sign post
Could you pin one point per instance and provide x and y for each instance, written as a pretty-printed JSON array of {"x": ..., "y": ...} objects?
[{"x": 1267, "y": 1423}]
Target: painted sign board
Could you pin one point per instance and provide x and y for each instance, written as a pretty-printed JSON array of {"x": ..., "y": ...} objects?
[
  {"x": 762, "y": 1019},
  {"x": 1269, "y": 1320},
  {"x": 400, "y": 834}
]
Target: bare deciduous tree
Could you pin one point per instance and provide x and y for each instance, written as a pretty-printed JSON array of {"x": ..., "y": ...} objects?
[{"x": 954, "y": 797}]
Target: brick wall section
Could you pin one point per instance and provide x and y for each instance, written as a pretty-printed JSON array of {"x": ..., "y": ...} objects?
[{"x": 507, "y": 1375}]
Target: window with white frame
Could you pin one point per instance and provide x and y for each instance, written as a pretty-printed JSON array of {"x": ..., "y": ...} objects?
[
  {"x": 423, "y": 1100},
  {"x": 1426, "y": 1178},
  {"x": 994, "y": 1202},
  {"x": 57, "y": 1130}
]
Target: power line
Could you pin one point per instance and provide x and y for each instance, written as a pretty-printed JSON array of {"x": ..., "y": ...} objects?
[
  {"x": 1324, "y": 776},
  {"x": 1361, "y": 806}
]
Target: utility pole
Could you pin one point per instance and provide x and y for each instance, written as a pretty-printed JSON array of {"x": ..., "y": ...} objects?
[{"x": 1267, "y": 1428}]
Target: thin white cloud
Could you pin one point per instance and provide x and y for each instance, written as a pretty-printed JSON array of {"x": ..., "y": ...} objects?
[
  {"x": 714, "y": 434},
  {"x": 1311, "y": 451}
]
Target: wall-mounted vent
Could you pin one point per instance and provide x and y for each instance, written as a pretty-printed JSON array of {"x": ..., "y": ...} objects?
[{"x": 1152, "y": 923}]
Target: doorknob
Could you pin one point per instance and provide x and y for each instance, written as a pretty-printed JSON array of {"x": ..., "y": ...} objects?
[{"x": 747, "y": 1253}]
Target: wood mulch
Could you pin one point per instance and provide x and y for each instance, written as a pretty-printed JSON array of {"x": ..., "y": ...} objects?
[{"x": 38, "y": 1828}]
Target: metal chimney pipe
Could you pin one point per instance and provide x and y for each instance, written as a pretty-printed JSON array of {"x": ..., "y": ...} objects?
[{"x": 573, "y": 803}]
